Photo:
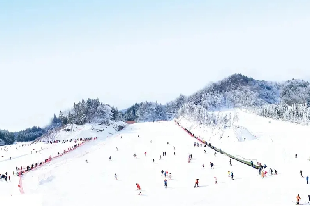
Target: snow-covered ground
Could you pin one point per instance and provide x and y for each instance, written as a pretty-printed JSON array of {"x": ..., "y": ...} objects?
[{"x": 69, "y": 180}]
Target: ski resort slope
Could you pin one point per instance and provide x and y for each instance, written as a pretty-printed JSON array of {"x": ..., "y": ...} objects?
[{"x": 71, "y": 181}]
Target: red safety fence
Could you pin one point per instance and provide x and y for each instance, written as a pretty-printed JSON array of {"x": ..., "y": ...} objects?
[{"x": 22, "y": 172}]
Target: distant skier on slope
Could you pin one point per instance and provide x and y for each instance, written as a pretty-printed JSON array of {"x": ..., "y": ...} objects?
[
  {"x": 115, "y": 176},
  {"x": 86, "y": 161},
  {"x": 232, "y": 175},
  {"x": 110, "y": 158},
  {"x": 165, "y": 183},
  {"x": 215, "y": 180},
  {"x": 196, "y": 183},
  {"x": 116, "y": 149},
  {"x": 138, "y": 186},
  {"x": 301, "y": 173},
  {"x": 298, "y": 198},
  {"x": 211, "y": 164}
]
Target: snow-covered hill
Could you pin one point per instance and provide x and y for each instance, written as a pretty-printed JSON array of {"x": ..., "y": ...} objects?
[{"x": 70, "y": 180}]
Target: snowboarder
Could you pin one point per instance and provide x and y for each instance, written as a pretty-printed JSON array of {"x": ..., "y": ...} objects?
[
  {"x": 301, "y": 173},
  {"x": 165, "y": 183},
  {"x": 307, "y": 179},
  {"x": 115, "y": 176},
  {"x": 215, "y": 180},
  {"x": 298, "y": 198},
  {"x": 196, "y": 183}
]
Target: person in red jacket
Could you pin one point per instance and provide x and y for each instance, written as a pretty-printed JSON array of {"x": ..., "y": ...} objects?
[{"x": 138, "y": 186}]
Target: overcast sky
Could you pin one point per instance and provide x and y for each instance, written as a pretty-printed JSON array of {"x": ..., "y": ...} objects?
[{"x": 54, "y": 53}]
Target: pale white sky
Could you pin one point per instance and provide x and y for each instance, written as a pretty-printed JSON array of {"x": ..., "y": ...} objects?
[{"x": 51, "y": 60}]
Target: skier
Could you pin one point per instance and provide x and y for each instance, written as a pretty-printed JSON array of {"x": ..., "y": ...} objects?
[
  {"x": 301, "y": 173},
  {"x": 214, "y": 153},
  {"x": 295, "y": 155},
  {"x": 159, "y": 157},
  {"x": 86, "y": 161},
  {"x": 271, "y": 171},
  {"x": 144, "y": 153},
  {"x": 276, "y": 172},
  {"x": 162, "y": 172},
  {"x": 232, "y": 175},
  {"x": 196, "y": 183},
  {"x": 115, "y": 176},
  {"x": 169, "y": 176},
  {"x": 110, "y": 158},
  {"x": 173, "y": 153},
  {"x": 165, "y": 183},
  {"x": 204, "y": 150},
  {"x": 203, "y": 165},
  {"x": 211, "y": 164},
  {"x": 230, "y": 162},
  {"x": 298, "y": 198},
  {"x": 307, "y": 179},
  {"x": 153, "y": 160},
  {"x": 215, "y": 180},
  {"x": 309, "y": 198},
  {"x": 228, "y": 173},
  {"x": 116, "y": 149},
  {"x": 138, "y": 186}
]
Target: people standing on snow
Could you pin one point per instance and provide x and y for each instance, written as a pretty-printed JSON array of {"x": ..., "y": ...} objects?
[
  {"x": 169, "y": 176},
  {"x": 165, "y": 183},
  {"x": 162, "y": 172},
  {"x": 298, "y": 198},
  {"x": 211, "y": 164},
  {"x": 276, "y": 172},
  {"x": 307, "y": 179},
  {"x": 271, "y": 171},
  {"x": 301, "y": 173},
  {"x": 232, "y": 175},
  {"x": 196, "y": 183}
]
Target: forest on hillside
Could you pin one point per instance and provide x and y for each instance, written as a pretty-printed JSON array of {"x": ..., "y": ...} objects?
[{"x": 289, "y": 101}]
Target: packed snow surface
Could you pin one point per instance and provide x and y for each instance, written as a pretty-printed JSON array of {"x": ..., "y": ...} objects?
[{"x": 70, "y": 180}]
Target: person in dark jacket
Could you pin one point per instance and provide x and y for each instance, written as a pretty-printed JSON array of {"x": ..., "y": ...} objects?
[{"x": 307, "y": 179}]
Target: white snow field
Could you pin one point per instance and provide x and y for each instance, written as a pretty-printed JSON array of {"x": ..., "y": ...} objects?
[{"x": 69, "y": 180}]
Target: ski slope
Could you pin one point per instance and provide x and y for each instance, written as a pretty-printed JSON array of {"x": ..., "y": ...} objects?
[{"x": 69, "y": 180}]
